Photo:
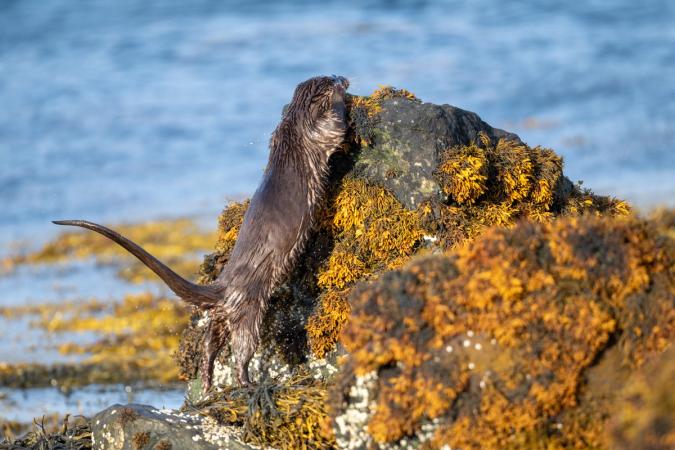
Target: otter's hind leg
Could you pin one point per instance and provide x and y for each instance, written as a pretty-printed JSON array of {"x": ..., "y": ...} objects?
[
  {"x": 245, "y": 339},
  {"x": 214, "y": 341}
]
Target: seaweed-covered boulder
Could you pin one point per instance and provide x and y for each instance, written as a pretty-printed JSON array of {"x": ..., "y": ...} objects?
[
  {"x": 399, "y": 189},
  {"x": 414, "y": 177},
  {"x": 519, "y": 340}
]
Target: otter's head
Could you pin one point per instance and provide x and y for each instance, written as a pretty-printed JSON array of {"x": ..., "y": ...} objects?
[{"x": 318, "y": 109}]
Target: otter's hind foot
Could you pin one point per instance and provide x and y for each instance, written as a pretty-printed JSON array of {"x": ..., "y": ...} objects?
[
  {"x": 242, "y": 376},
  {"x": 215, "y": 339}
]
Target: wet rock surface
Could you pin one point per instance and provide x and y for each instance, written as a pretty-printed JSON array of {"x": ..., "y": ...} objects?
[{"x": 137, "y": 427}]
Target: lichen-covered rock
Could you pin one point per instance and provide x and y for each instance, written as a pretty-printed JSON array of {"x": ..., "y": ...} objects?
[
  {"x": 489, "y": 346},
  {"x": 141, "y": 427}
]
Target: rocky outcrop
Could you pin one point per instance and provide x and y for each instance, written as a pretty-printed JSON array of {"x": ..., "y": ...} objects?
[
  {"x": 385, "y": 337},
  {"x": 415, "y": 177}
]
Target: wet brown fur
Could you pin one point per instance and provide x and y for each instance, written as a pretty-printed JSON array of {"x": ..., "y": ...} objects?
[{"x": 275, "y": 228}]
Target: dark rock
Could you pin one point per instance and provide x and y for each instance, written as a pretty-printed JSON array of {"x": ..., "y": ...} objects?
[
  {"x": 137, "y": 427},
  {"x": 407, "y": 139}
]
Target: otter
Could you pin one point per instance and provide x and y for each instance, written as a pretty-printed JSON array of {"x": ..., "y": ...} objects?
[{"x": 275, "y": 229}]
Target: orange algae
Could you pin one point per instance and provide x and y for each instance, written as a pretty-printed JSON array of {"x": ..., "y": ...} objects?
[
  {"x": 496, "y": 184},
  {"x": 542, "y": 301},
  {"x": 372, "y": 232},
  {"x": 324, "y": 327}
]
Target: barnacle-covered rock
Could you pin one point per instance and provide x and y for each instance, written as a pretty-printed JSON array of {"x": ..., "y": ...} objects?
[{"x": 494, "y": 344}]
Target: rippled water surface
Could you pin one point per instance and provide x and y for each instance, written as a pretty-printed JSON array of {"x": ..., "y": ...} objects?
[{"x": 122, "y": 110}]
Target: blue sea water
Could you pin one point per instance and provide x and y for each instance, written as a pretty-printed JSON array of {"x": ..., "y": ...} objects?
[{"x": 125, "y": 110}]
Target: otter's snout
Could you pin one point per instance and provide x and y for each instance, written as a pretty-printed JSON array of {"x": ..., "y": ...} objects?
[{"x": 342, "y": 81}]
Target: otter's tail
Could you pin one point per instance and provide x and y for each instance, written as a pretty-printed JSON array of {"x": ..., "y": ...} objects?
[{"x": 202, "y": 296}]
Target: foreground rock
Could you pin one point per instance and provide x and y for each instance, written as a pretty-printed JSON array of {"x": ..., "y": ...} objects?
[
  {"x": 137, "y": 427},
  {"x": 520, "y": 340}
]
